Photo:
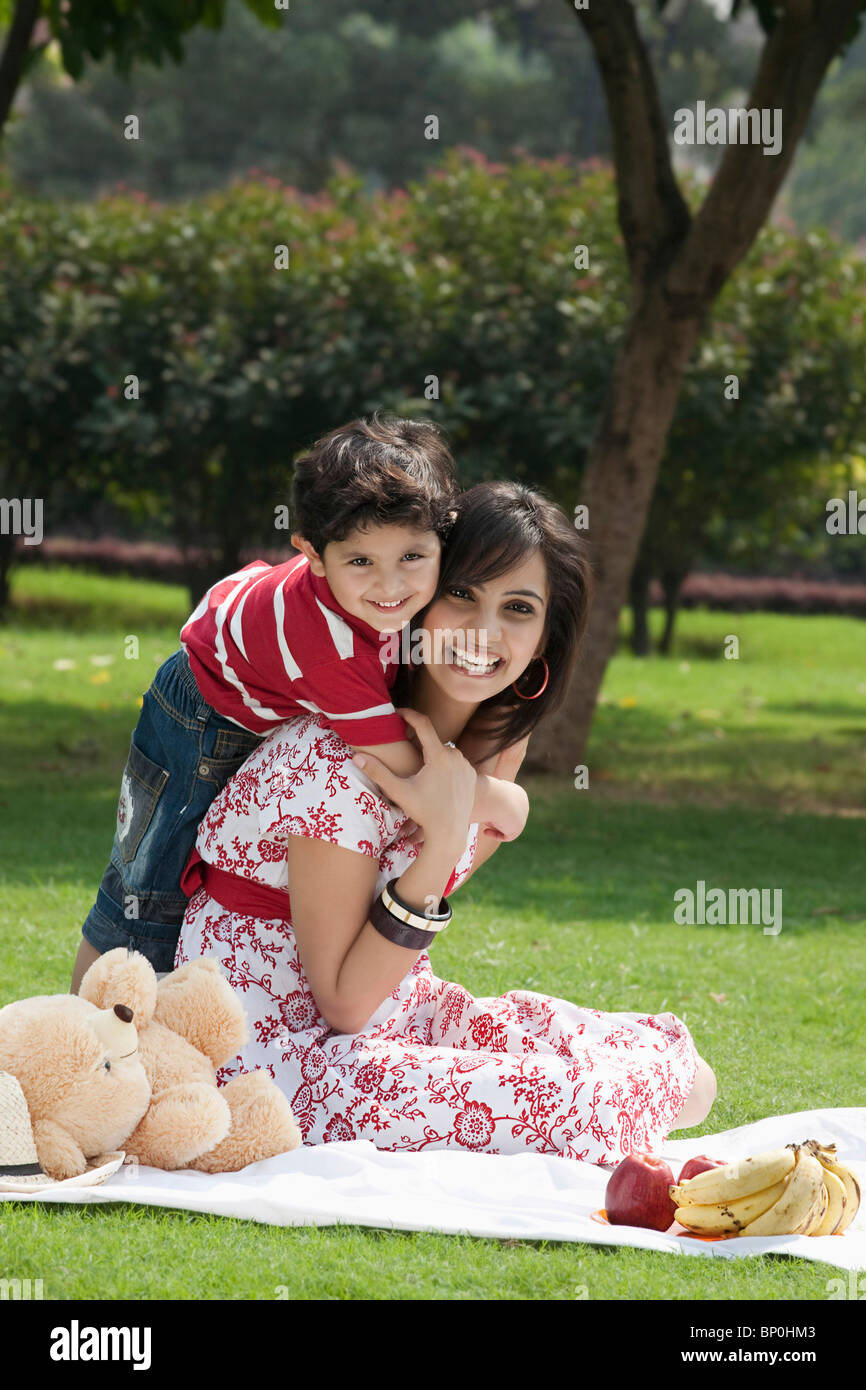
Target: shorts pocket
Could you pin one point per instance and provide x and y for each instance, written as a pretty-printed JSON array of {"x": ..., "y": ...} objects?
[
  {"x": 234, "y": 745},
  {"x": 142, "y": 785},
  {"x": 217, "y": 771}
]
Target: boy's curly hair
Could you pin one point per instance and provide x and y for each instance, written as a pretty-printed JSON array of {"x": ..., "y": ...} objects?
[{"x": 378, "y": 471}]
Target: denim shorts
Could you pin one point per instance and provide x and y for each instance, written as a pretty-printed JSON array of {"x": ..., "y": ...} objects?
[{"x": 180, "y": 756}]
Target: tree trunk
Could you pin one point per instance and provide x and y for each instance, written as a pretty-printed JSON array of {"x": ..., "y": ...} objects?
[
  {"x": 619, "y": 480},
  {"x": 672, "y": 584},
  {"x": 639, "y": 600}
]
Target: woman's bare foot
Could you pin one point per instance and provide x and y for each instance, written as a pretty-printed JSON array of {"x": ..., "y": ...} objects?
[{"x": 700, "y": 1100}]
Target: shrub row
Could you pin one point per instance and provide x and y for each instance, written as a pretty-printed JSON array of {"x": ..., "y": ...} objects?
[
  {"x": 172, "y": 361},
  {"x": 735, "y": 593},
  {"x": 164, "y": 562},
  {"x": 745, "y": 593}
]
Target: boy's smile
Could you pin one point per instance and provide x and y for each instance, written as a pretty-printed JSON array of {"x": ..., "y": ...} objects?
[
  {"x": 397, "y": 603},
  {"x": 381, "y": 574}
]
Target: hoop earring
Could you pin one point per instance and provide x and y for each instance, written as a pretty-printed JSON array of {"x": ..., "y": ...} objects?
[{"x": 543, "y": 687}]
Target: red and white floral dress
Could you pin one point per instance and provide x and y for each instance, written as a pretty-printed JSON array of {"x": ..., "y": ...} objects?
[{"x": 433, "y": 1068}]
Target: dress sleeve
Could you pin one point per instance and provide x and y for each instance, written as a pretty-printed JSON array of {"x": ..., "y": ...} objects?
[{"x": 313, "y": 789}]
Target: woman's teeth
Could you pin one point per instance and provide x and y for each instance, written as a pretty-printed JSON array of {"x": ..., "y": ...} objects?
[{"x": 473, "y": 666}]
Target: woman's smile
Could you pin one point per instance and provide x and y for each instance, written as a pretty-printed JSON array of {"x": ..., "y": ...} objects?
[{"x": 475, "y": 667}]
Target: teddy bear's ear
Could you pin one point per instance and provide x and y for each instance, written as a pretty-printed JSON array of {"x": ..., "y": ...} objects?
[
  {"x": 46, "y": 1043},
  {"x": 122, "y": 977},
  {"x": 197, "y": 1001}
]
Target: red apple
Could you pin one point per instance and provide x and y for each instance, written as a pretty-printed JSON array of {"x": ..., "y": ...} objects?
[
  {"x": 700, "y": 1164},
  {"x": 637, "y": 1193}
]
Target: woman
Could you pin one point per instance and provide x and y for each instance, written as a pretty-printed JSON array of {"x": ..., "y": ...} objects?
[{"x": 345, "y": 1011}]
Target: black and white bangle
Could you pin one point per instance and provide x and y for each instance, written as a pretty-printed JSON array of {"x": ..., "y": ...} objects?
[
  {"x": 410, "y": 915},
  {"x": 401, "y": 924}
]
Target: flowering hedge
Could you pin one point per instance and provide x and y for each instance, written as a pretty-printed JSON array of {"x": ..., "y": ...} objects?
[{"x": 469, "y": 277}]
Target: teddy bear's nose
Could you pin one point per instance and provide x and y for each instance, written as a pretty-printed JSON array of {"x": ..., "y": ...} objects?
[{"x": 124, "y": 1012}]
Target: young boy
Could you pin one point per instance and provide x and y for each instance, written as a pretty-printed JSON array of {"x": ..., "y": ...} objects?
[{"x": 370, "y": 504}]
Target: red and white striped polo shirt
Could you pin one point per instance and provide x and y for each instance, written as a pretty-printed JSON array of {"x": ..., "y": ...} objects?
[{"x": 271, "y": 641}]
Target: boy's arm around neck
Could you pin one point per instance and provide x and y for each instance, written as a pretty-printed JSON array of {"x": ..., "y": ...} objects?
[{"x": 403, "y": 759}]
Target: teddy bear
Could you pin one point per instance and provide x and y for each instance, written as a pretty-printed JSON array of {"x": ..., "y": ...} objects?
[
  {"x": 190, "y": 1023},
  {"x": 82, "y": 1079}
]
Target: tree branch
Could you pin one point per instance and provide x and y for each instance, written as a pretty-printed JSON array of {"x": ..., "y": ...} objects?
[
  {"x": 793, "y": 64},
  {"x": 18, "y": 42},
  {"x": 653, "y": 215}
]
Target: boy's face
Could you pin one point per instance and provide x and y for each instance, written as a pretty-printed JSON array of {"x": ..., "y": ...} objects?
[{"x": 382, "y": 574}]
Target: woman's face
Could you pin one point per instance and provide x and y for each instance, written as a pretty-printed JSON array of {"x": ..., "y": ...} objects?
[{"x": 481, "y": 638}]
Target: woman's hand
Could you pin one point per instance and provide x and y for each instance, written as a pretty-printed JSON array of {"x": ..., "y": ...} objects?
[
  {"x": 439, "y": 798},
  {"x": 502, "y": 767}
]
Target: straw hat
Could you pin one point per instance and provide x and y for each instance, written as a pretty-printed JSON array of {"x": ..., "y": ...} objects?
[{"x": 20, "y": 1170}]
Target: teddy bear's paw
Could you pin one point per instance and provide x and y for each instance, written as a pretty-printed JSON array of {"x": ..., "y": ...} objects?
[
  {"x": 183, "y": 1123},
  {"x": 262, "y": 1125},
  {"x": 59, "y": 1154},
  {"x": 121, "y": 976}
]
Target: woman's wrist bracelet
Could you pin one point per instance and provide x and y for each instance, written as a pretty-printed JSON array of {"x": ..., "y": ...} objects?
[
  {"x": 402, "y": 924},
  {"x": 427, "y": 920}
]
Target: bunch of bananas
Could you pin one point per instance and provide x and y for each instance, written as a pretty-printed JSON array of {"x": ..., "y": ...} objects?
[{"x": 798, "y": 1190}]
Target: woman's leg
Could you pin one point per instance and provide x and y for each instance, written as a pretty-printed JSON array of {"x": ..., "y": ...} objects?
[{"x": 700, "y": 1101}]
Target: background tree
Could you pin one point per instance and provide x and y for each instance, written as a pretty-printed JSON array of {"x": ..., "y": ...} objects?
[
  {"x": 494, "y": 85},
  {"x": 499, "y": 76},
  {"x": 284, "y": 119},
  {"x": 97, "y": 28},
  {"x": 790, "y": 326},
  {"x": 678, "y": 262},
  {"x": 821, "y": 191}
]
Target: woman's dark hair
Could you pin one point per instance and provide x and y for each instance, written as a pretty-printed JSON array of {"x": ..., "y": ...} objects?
[
  {"x": 497, "y": 526},
  {"x": 378, "y": 471}
]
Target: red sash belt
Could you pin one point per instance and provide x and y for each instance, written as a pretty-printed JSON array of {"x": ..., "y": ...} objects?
[{"x": 233, "y": 892}]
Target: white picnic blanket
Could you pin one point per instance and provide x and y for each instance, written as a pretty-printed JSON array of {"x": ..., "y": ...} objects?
[{"x": 519, "y": 1197}]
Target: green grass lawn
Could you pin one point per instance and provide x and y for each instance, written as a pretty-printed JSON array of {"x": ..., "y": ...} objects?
[{"x": 746, "y": 773}]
